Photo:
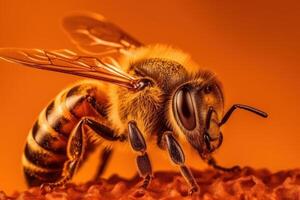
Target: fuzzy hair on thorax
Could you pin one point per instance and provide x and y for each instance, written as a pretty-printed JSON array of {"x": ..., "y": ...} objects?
[{"x": 150, "y": 108}]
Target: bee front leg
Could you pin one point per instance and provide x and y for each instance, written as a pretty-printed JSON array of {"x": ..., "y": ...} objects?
[
  {"x": 212, "y": 162},
  {"x": 138, "y": 144},
  {"x": 177, "y": 156}
]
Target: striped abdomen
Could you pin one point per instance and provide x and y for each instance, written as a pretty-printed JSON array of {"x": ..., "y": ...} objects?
[{"x": 45, "y": 149}]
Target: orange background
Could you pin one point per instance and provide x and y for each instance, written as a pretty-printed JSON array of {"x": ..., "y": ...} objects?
[{"x": 253, "y": 47}]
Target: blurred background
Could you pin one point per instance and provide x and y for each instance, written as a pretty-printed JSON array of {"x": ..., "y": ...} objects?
[{"x": 253, "y": 46}]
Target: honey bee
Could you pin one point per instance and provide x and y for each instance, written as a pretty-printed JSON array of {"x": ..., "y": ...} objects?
[{"x": 155, "y": 93}]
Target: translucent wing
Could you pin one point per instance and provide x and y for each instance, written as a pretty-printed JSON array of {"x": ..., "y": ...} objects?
[
  {"x": 93, "y": 34},
  {"x": 65, "y": 61}
]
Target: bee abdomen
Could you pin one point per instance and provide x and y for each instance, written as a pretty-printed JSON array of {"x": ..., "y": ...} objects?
[
  {"x": 41, "y": 164},
  {"x": 49, "y": 139},
  {"x": 45, "y": 151},
  {"x": 36, "y": 175}
]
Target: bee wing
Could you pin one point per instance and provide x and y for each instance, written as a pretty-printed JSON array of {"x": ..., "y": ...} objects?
[
  {"x": 65, "y": 61},
  {"x": 94, "y": 35}
]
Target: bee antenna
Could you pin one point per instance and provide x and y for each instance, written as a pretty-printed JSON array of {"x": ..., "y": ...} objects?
[{"x": 244, "y": 107}]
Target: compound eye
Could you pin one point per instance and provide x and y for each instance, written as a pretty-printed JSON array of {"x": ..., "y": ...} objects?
[{"x": 183, "y": 106}]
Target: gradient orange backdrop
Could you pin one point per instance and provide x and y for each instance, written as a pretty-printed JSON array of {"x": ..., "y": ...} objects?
[{"x": 252, "y": 46}]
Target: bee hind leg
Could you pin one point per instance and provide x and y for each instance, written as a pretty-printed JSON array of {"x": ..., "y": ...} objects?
[
  {"x": 76, "y": 147},
  {"x": 75, "y": 150},
  {"x": 138, "y": 144},
  {"x": 177, "y": 156}
]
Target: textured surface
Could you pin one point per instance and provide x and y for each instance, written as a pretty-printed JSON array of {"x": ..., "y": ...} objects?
[{"x": 247, "y": 184}]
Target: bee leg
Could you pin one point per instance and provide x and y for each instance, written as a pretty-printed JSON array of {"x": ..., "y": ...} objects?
[
  {"x": 105, "y": 156},
  {"x": 76, "y": 146},
  {"x": 177, "y": 156},
  {"x": 107, "y": 134},
  {"x": 75, "y": 150},
  {"x": 138, "y": 144},
  {"x": 212, "y": 162}
]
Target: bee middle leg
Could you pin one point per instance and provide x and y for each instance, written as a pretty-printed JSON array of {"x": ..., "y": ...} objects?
[
  {"x": 76, "y": 146},
  {"x": 177, "y": 156},
  {"x": 138, "y": 144}
]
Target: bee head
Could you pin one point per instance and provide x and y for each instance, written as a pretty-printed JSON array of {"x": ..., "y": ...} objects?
[{"x": 197, "y": 107}]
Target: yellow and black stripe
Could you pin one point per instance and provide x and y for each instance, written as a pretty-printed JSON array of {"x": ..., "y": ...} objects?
[{"x": 45, "y": 150}]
